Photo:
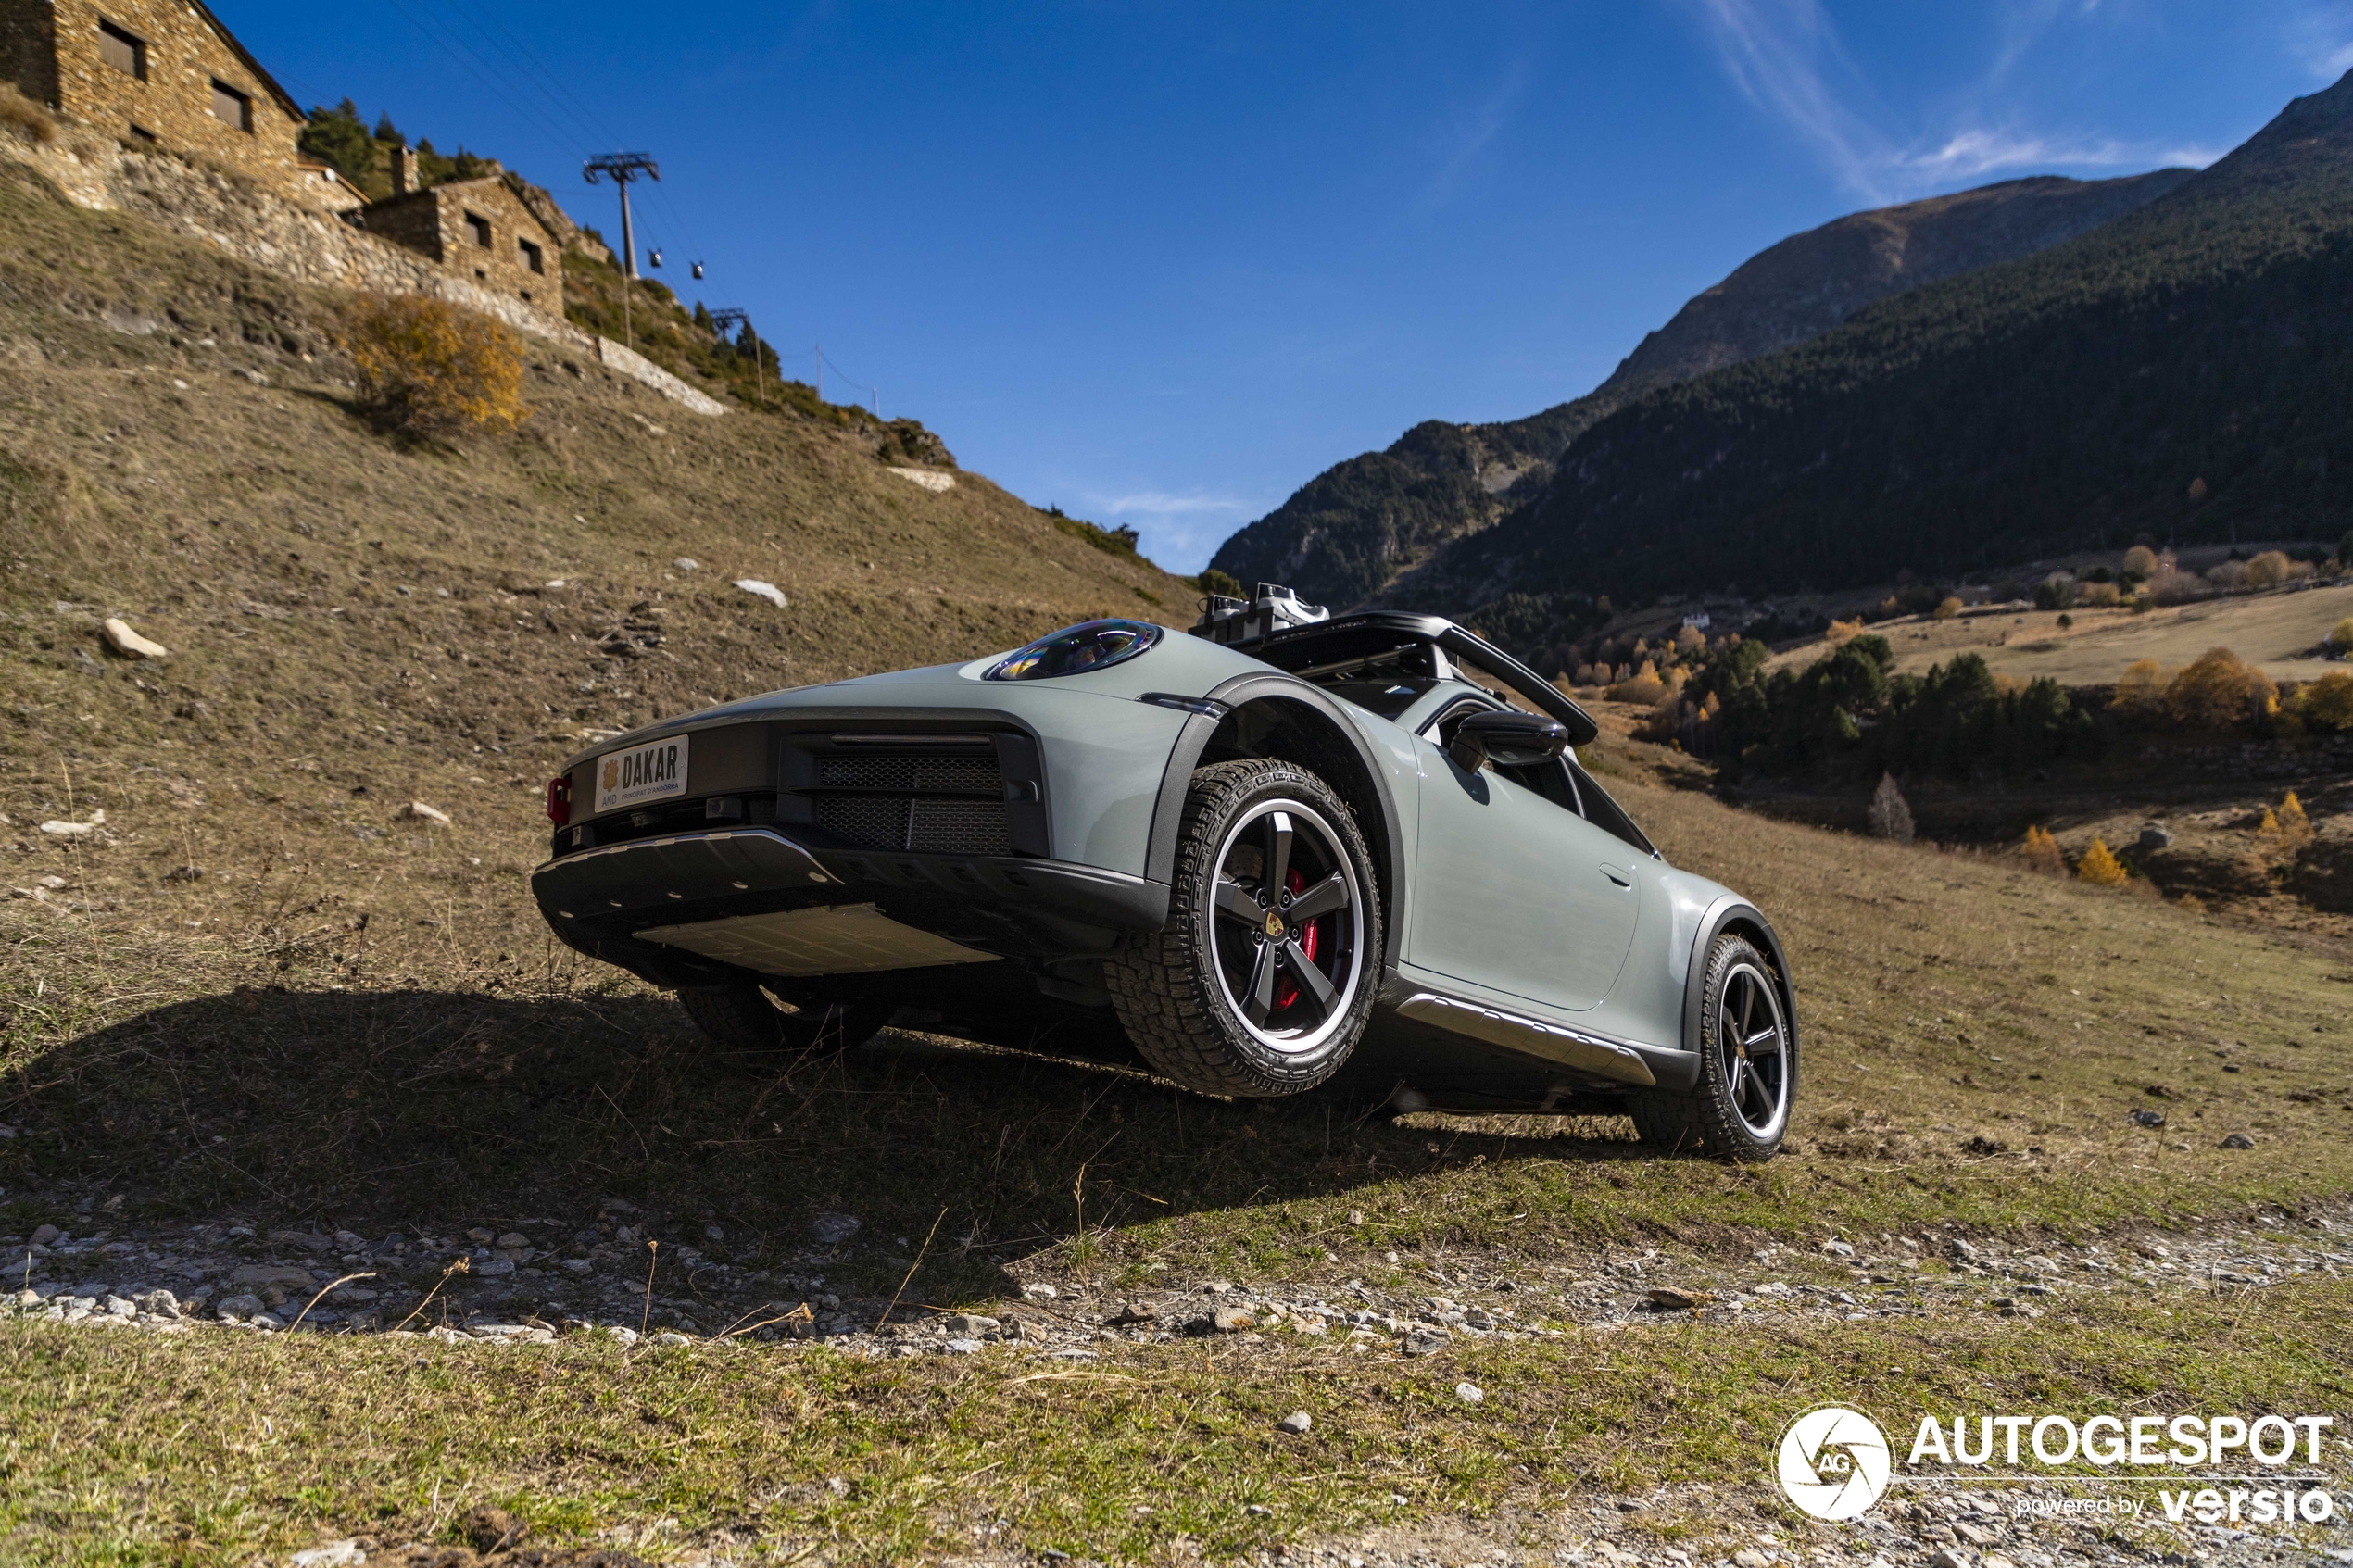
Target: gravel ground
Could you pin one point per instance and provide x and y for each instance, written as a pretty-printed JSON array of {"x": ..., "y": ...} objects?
[
  {"x": 537, "y": 1277},
  {"x": 529, "y": 1281}
]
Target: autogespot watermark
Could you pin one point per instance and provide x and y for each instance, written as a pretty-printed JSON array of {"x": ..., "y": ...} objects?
[{"x": 1835, "y": 1463}]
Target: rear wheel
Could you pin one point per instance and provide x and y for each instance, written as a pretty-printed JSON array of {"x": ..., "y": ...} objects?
[
  {"x": 1740, "y": 1109},
  {"x": 1263, "y": 980},
  {"x": 744, "y": 1016}
]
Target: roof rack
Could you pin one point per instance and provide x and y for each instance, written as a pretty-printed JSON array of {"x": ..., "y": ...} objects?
[
  {"x": 1459, "y": 643},
  {"x": 1273, "y": 609}
]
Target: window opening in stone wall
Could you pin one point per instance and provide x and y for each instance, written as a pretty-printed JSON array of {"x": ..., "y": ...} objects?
[
  {"x": 230, "y": 106},
  {"x": 532, "y": 258},
  {"x": 127, "y": 52},
  {"x": 479, "y": 227}
]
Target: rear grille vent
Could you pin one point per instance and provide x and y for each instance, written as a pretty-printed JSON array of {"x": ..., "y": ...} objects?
[{"x": 948, "y": 805}]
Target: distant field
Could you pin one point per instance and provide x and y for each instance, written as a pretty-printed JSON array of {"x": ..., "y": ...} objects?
[{"x": 2276, "y": 631}]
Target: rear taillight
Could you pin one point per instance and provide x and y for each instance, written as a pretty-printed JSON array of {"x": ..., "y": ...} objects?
[{"x": 560, "y": 800}]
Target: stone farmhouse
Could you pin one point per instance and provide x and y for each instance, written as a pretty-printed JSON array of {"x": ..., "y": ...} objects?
[
  {"x": 163, "y": 73},
  {"x": 479, "y": 229}
]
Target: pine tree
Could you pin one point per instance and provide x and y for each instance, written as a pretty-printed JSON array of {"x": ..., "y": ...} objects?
[
  {"x": 2100, "y": 868},
  {"x": 2040, "y": 852}
]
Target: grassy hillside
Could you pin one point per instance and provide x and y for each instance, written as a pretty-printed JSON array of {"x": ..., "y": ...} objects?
[
  {"x": 177, "y": 447},
  {"x": 2168, "y": 375},
  {"x": 1355, "y": 527},
  {"x": 261, "y": 997}
]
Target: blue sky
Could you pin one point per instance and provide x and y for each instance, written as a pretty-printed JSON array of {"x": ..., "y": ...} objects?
[{"x": 1160, "y": 263}]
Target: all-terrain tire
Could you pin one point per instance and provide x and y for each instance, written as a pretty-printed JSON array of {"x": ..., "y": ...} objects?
[
  {"x": 1166, "y": 988},
  {"x": 1723, "y": 1115},
  {"x": 744, "y": 1017}
]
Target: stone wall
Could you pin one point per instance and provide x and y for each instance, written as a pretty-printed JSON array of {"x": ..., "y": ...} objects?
[
  {"x": 27, "y": 50},
  {"x": 173, "y": 93},
  {"x": 294, "y": 240},
  {"x": 478, "y": 227}
]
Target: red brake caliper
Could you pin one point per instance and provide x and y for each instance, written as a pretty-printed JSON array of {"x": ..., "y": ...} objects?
[{"x": 1287, "y": 989}]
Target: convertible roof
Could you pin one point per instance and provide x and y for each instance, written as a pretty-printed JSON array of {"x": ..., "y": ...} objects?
[{"x": 1299, "y": 645}]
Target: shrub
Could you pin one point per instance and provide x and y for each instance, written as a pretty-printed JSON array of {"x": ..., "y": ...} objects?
[
  {"x": 2140, "y": 691},
  {"x": 2340, "y": 638},
  {"x": 2140, "y": 561},
  {"x": 2056, "y": 592},
  {"x": 2099, "y": 595},
  {"x": 2228, "y": 574},
  {"x": 2267, "y": 569},
  {"x": 2041, "y": 853},
  {"x": 1947, "y": 607},
  {"x": 2100, "y": 868},
  {"x": 1843, "y": 631},
  {"x": 2327, "y": 703},
  {"x": 431, "y": 371},
  {"x": 2218, "y": 692},
  {"x": 2287, "y": 822},
  {"x": 1891, "y": 813},
  {"x": 1224, "y": 584},
  {"x": 22, "y": 114}
]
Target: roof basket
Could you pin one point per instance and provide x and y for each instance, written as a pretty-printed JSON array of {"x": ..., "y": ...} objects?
[{"x": 1273, "y": 609}]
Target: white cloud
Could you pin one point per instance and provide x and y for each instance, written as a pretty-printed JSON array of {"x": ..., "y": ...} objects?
[
  {"x": 1776, "y": 51},
  {"x": 1180, "y": 531},
  {"x": 1784, "y": 58}
]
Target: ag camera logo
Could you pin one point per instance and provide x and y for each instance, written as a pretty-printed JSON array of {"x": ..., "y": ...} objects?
[{"x": 1834, "y": 1463}]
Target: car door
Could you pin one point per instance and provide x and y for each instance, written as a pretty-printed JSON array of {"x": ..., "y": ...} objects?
[{"x": 1513, "y": 890}]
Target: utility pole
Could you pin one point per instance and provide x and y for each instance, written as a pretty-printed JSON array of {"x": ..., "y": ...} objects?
[
  {"x": 731, "y": 317},
  {"x": 622, "y": 168}
]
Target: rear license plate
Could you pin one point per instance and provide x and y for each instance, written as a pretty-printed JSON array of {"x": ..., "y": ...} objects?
[{"x": 656, "y": 771}]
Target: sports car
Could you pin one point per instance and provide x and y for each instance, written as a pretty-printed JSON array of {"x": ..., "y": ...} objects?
[{"x": 1274, "y": 851}]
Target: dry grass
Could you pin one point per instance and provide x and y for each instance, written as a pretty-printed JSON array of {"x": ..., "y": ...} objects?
[
  {"x": 212, "y": 1449},
  {"x": 2282, "y": 634},
  {"x": 352, "y": 1016}
]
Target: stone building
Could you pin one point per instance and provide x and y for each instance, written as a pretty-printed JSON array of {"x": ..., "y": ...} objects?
[
  {"x": 162, "y": 72},
  {"x": 478, "y": 229}
]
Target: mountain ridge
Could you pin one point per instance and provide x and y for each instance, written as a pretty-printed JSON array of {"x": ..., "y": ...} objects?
[
  {"x": 1355, "y": 528},
  {"x": 2149, "y": 378}
]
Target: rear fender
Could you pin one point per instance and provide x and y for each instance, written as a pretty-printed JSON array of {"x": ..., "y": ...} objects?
[
  {"x": 1733, "y": 914},
  {"x": 1276, "y": 715}
]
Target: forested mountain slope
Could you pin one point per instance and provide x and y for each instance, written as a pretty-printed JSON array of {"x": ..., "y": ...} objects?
[
  {"x": 2184, "y": 373},
  {"x": 1351, "y": 529}
]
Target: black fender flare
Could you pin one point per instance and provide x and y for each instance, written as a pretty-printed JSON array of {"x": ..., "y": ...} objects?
[
  {"x": 1160, "y": 857},
  {"x": 1727, "y": 912}
]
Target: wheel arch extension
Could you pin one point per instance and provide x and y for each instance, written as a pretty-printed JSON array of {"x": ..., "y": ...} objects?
[
  {"x": 1278, "y": 716},
  {"x": 1738, "y": 918}
]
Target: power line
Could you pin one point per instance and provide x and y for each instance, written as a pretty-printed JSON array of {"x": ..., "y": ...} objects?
[{"x": 558, "y": 97}]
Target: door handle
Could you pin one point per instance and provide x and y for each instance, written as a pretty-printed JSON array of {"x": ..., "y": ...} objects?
[{"x": 1623, "y": 879}]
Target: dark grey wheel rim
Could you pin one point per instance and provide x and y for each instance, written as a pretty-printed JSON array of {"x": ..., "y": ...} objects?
[
  {"x": 1287, "y": 927},
  {"x": 1752, "y": 1039}
]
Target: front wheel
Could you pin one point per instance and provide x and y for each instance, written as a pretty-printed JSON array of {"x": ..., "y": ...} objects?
[
  {"x": 1740, "y": 1109},
  {"x": 1263, "y": 979},
  {"x": 743, "y": 1016}
]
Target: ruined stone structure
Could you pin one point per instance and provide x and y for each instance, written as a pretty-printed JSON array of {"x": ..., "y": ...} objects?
[
  {"x": 478, "y": 229},
  {"x": 163, "y": 73}
]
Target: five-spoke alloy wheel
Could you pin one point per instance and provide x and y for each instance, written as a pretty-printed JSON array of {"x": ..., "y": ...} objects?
[
  {"x": 1263, "y": 979},
  {"x": 1740, "y": 1107}
]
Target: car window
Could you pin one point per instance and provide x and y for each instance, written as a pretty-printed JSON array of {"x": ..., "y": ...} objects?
[{"x": 1604, "y": 812}]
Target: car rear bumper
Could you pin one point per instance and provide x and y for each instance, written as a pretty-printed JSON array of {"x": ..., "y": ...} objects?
[{"x": 658, "y": 906}]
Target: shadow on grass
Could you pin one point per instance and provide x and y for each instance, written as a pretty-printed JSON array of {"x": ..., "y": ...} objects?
[{"x": 378, "y": 1109}]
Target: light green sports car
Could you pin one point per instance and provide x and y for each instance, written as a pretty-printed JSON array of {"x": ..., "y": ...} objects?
[{"x": 1282, "y": 851}]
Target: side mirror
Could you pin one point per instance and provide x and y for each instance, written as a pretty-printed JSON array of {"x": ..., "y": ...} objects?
[{"x": 1512, "y": 739}]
